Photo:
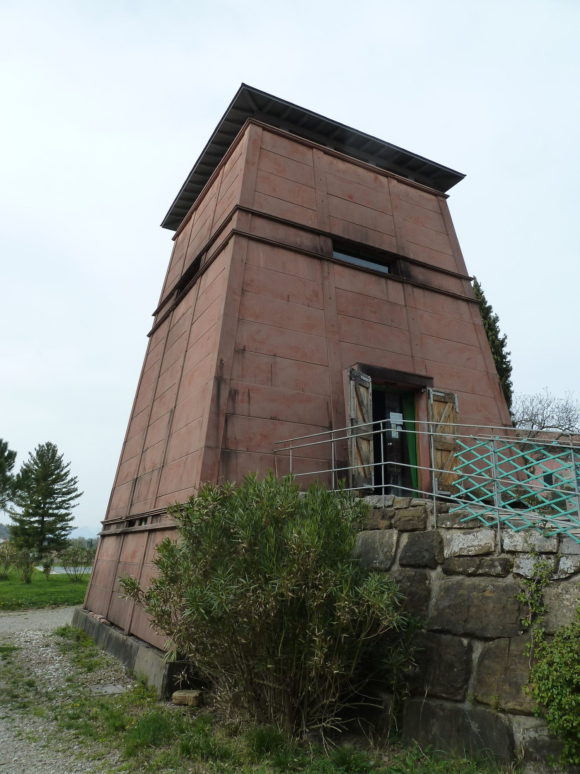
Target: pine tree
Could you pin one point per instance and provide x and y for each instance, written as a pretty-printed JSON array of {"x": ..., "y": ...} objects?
[
  {"x": 497, "y": 343},
  {"x": 45, "y": 496},
  {"x": 7, "y": 460}
]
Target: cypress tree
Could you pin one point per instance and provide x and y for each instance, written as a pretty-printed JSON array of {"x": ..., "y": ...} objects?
[
  {"x": 45, "y": 496},
  {"x": 497, "y": 342}
]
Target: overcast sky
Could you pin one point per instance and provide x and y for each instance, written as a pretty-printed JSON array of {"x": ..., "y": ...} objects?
[{"x": 106, "y": 104}]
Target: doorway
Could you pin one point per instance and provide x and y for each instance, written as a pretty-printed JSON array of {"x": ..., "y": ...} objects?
[
  {"x": 395, "y": 447},
  {"x": 383, "y": 440}
]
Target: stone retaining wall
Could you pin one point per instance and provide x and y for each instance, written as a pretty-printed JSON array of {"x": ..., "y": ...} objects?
[{"x": 462, "y": 580}]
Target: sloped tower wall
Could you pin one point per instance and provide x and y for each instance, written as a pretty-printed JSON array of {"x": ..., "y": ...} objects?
[{"x": 258, "y": 323}]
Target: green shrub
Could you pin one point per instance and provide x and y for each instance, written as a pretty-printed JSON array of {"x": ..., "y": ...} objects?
[
  {"x": 24, "y": 561},
  {"x": 555, "y": 686},
  {"x": 7, "y": 558},
  {"x": 76, "y": 560},
  {"x": 261, "y": 593},
  {"x": 47, "y": 563}
]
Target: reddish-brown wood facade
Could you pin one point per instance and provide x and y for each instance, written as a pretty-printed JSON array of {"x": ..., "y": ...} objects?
[{"x": 257, "y": 326}]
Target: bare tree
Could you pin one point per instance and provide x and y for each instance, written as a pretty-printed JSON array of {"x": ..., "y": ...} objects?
[{"x": 544, "y": 411}]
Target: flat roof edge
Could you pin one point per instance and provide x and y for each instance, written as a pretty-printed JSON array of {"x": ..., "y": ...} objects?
[{"x": 249, "y": 102}]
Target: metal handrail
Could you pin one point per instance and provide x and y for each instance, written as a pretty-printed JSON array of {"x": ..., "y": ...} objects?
[
  {"x": 514, "y": 430},
  {"x": 489, "y": 474}
]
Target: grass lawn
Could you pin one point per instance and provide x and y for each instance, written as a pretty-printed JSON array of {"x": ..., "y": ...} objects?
[
  {"x": 154, "y": 737},
  {"x": 57, "y": 590}
]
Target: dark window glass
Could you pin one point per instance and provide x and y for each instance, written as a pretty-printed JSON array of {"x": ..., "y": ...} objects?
[{"x": 364, "y": 262}]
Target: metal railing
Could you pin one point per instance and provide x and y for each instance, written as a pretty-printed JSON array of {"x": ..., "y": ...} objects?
[{"x": 495, "y": 475}]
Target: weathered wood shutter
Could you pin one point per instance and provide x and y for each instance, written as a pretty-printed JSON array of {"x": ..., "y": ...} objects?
[
  {"x": 443, "y": 410},
  {"x": 361, "y": 438}
]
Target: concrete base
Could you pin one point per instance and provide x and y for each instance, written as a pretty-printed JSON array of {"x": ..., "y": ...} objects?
[{"x": 142, "y": 660}]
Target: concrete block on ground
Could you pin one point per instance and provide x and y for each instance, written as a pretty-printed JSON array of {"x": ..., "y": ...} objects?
[
  {"x": 138, "y": 657},
  {"x": 187, "y": 698},
  {"x": 108, "y": 637}
]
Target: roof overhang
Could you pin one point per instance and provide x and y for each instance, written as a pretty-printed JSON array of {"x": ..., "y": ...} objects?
[{"x": 253, "y": 103}]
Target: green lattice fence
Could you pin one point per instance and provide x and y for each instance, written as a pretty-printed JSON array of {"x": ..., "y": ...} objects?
[{"x": 521, "y": 483}]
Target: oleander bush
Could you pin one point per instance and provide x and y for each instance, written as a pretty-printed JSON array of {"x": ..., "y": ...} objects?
[{"x": 262, "y": 594}]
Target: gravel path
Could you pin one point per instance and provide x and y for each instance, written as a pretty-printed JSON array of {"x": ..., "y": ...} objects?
[
  {"x": 45, "y": 619},
  {"x": 30, "y": 744}
]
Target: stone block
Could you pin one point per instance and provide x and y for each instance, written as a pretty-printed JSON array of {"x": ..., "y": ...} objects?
[
  {"x": 443, "y": 666},
  {"x": 524, "y": 564},
  {"x": 481, "y": 607},
  {"x": 142, "y": 659},
  {"x": 380, "y": 501},
  {"x": 379, "y": 518},
  {"x": 494, "y": 566},
  {"x": 421, "y": 549},
  {"x": 528, "y": 541},
  {"x": 375, "y": 549},
  {"x": 189, "y": 698},
  {"x": 415, "y": 585},
  {"x": 536, "y": 748},
  {"x": 475, "y": 542},
  {"x": 561, "y": 599},
  {"x": 458, "y": 729},
  {"x": 408, "y": 519},
  {"x": 401, "y": 502},
  {"x": 501, "y": 675},
  {"x": 109, "y": 689},
  {"x": 109, "y": 638},
  {"x": 569, "y": 546},
  {"x": 454, "y": 520},
  {"x": 151, "y": 666},
  {"x": 421, "y": 501},
  {"x": 568, "y": 565}
]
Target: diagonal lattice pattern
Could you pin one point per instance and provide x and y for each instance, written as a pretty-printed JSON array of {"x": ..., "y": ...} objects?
[{"x": 520, "y": 483}]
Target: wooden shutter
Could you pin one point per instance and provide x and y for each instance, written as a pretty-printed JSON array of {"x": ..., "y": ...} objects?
[
  {"x": 361, "y": 438},
  {"x": 443, "y": 412}
]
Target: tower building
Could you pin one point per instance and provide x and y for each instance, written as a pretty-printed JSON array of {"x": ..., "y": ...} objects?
[{"x": 315, "y": 282}]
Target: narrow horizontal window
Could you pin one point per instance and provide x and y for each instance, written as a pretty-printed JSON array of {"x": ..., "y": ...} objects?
[{"x": 365, "y": 263}]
